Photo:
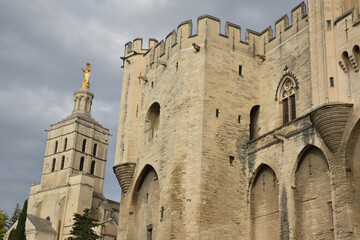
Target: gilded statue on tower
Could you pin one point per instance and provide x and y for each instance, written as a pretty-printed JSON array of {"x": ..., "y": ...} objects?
[{"x": 86, "y": 82}]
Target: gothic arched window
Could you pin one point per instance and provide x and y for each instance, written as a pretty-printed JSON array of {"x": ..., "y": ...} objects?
[
  {"x": 62, "y": 162},
  {"x": 56, "y": 146},
  {"x": 94, "y": 150},
  {"x": 84, "y": 145},
  {"x": 65, "y": 144},
  {"x": 152, "y": 121},
  {"x": 92, "y": 169},
  {"x": 81, "y": 167},
  {"x": 53, "y": 165},
  {"x": 287, "y": 97}
]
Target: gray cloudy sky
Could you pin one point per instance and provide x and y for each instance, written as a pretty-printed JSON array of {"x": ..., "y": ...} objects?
[{"x": 43, "y": 45}]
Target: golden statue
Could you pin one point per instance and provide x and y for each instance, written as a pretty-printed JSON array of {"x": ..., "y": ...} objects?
[{"x": 86, "y": 71}]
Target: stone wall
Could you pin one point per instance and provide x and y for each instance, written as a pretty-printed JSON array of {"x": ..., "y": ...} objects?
[{"x": 215, "y": 179}]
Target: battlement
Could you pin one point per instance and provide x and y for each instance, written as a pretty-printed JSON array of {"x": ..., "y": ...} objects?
[
  {"x": 354, "y": 17},
  {"x": 209, "y": 27},
  {"x": 345, "y": 29}
]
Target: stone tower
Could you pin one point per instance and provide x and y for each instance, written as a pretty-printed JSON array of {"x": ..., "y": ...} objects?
[
  {"x": 221, "y": 138},
  {"x": 73, "y": 172}
]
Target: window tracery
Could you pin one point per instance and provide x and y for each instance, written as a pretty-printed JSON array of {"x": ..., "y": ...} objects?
[{"x": 288, "y": 100}]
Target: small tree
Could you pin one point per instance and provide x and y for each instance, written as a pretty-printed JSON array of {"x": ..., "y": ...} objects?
[
  {"x": 83, "y": 226},
  {"x": 14, "y": 217},
  {"x": 12, "y": 234},
  {"x": 20, "y": 228},
  {"x": 18, "y": 233},
  {"x": 3, "y": 219}
]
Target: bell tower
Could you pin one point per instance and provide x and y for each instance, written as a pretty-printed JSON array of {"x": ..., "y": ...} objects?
[{"x": 74, "y": 165}]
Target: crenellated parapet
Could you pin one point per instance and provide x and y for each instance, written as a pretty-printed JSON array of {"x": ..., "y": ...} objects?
[
  {"x": 208, "y": 27},
  {"x": 348, "y": 41}
]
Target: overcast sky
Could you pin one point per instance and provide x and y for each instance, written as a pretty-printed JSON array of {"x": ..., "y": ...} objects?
[{"x": 43, "y": 45}]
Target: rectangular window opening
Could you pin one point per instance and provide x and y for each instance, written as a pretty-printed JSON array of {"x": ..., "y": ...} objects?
[
  {"x": 239, "y": 119},
  {"x": 152, "y": 84},
  {"x": 328, "y": 23},
  {"x": 217, "y": 113},
  {"x": 231, "y": 160},
  {"x": 332, "y": 82},
  {"x": 240, "y": 70}
]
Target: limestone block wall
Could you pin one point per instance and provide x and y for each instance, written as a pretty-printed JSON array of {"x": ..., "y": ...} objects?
[
  {"x": 59, "y": 203},
  {"x": 127, "y": 136},
  {"x": 65, "y": 143},
  {"x": 288, "y": 59},
  {"x": 348, "y": 55},
  {"x": 230, "y": 80},
  {"x": 204, "y": 113}
]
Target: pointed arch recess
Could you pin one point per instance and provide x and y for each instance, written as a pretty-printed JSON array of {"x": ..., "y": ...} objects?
[
  {"x": 264, "y": 201},
  {"x": 146, "y": 204},
  {"x": 352, "y": 166},
  {"x": 152, "y": 120},
  {"x": 313, "y": 201}
]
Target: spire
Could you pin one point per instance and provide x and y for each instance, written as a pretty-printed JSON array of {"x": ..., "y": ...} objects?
[{"x": 83, "y": 97}]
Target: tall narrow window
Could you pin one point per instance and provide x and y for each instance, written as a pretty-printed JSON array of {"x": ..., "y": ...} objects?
[
  {"x": 332, "y": 82},
  {"x": 288, "y": 100},
  {"x": 84, "y": 145},
  {"x": 285, "y": 110},
  {"x": 65, "y": 144},
  {"x": 254, "y": 122},
  {"x": 81, "y": 167},
  {"x": 152, "y": 120},
  {"x": 293, "y": 106},
  {"x": 94, "y": 150},
  {"x": 56, "y": 146},
  {"x": 53, "y": 165},
  {"x": 92, "y": 169},
  {"x": 240, "y": 70},
  {"x": 62, "y": 162},
  {"x": 328, "y": 22},
  {"x": 149, "y": 232}
]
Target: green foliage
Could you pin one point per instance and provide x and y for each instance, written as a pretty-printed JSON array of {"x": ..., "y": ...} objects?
[
  {"x": 18, "y": 233},
  {"x": 83, "y": 227},
  {"x": 20, "y": 228},
  {"x": 14, "y": 217},
  {"x": 3, "y": 220},
  {"x": 12, "y": 234}
]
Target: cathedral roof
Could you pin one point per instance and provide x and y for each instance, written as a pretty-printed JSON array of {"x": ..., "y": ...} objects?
[
  {"x": 79, "y": 116},
  {"x": 108, "y": 203},
  {"x": 40, "y": 224},
  {"x": 82, "y": 116}
]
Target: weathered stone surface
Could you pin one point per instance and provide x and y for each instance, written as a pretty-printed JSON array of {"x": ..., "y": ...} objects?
[
  {"x": 238, "y": 126},
  {"x": 124, "y": 174},
  {"x": 330, "y": 121}
]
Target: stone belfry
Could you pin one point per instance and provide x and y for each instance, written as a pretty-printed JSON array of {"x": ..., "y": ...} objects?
[{"x": 74, "y": 169}]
